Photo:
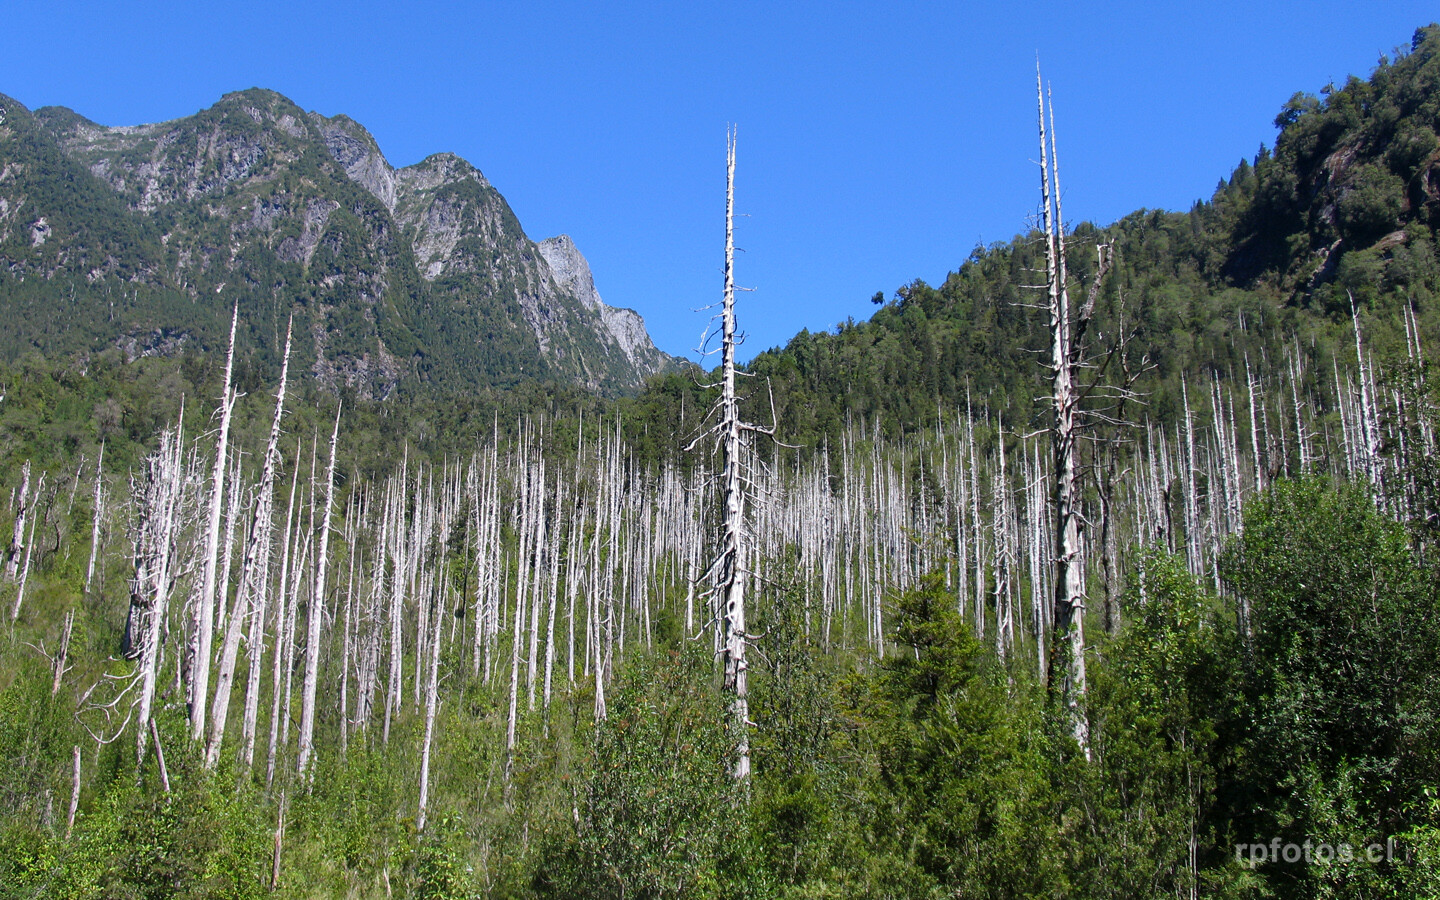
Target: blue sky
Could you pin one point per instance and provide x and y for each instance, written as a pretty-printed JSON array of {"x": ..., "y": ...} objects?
[{"x": 878, "y": 143}]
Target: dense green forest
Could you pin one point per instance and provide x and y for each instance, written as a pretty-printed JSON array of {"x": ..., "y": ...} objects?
[{"x": 472, "y": 652}]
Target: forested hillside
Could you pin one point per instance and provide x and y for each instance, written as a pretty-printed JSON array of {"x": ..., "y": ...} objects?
[
  {"x": 1345, "y": 206},
  {"x": 266, "y": 638}
]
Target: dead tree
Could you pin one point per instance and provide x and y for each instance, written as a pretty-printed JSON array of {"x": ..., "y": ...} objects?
[
  {"x": 284, "y": 628},
  {"x": 29, "y": 545},
  {"x": 212, "y": 593},
  {"x": 728, "y": 569},
  {"x": 60, "y": 664},
  {"x": 1066, "y": 664},
  {"x": 439, "y": 602},
  {"x": 317, "y": 613},
  {"x": 16, "y": 549},
  {"x": 74, "y": 793},
  {"x": 254, "y": 572},
  {"x": 154, "y": 560},
  {"x": 99, "y": 504}
]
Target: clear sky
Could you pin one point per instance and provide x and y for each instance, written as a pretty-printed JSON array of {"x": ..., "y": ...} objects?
[{"x": 878, "y": 143}]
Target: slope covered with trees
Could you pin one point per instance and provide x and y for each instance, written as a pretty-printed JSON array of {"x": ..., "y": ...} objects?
[{"x": 1346, "y": 205}]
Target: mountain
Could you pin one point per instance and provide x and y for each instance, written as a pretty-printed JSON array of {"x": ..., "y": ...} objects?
[
  {"x": 421, "y": 278},
  {"x": 1350, "y": 196}
]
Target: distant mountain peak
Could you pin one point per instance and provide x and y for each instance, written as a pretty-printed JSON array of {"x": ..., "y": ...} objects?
[
  {"x": 419, "y": 274},
  {"x": 626, "y": 326}
]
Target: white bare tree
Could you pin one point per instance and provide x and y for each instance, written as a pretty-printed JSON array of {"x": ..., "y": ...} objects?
[
  {"x": 728, "y": 570},
  {"x": 1067, "y": 648},
  {"x": 316, "y": 615},
  {"x": 211, "y": 592},
  {"x": 254, "y": 572}
]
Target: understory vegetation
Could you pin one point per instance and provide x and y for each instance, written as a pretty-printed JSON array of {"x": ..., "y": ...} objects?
[{"x": 935, "y": 770}]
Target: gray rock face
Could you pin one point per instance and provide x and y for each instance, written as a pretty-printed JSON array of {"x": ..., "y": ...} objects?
[
  {"x": 625, "y": 326},
  {"x": 448, "y": 208},
  {"x": 440, "y": 214},
  {"x": 571, "y": 269},
  {"x": 353, "y": 147}
]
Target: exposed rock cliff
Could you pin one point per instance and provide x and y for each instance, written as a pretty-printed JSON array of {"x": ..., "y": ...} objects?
[{"x": 625, "y": 325}]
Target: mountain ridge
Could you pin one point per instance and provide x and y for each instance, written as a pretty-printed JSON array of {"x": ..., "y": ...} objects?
[{"x": 419, "y": 275}]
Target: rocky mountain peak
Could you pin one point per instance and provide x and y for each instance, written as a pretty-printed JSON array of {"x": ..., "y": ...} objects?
[
  {"x": 419, "y": 273},
  {"x": 626, "y": 326},
  {"x": 571, "y": 269},
  {"x": 353, "y": 147}
]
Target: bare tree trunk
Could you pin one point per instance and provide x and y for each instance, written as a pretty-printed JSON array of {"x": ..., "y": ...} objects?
[
  {"x": 1037, "y": 568},
  {"x": 1067, "y": 648},
  {"x": 254, "y": 653},
  {"x": 1109, "y": 546},
  {"x": 535, "y": 563},
  {"x": 572, "y": 587},
  {"x": 17, "y": 539},
  {"x": 392, "y": 608},
  {"x": 284, "y": 625},
  {"x": 99, "y": 507},
  {"x": 205, "y": 608},
  {"x": 978, "y": 593},
  {"x": 350, "y": 542},
  {"x": 62, "y": 656},
  {"x": 431, "y": 702},
  {"x": 233, "y": 515},
  {"x": 160, "y": 758},
  {"x": 74, "y": 793},
  {"x": 419, "y": 531},
  {"x": 317, "y": 614},
  {"x": 279, "y": 844},
  {"x": 1004, "y": 553},
  {"x": 150, "y": 594},
  {"x": 594, "y": 633},
  {"x": 29, "y": 551},
  {"x": 254, "y": 569},
  {"x": 479, "y": 519},
  {"x": 517, "y": 636},
  {"x": 732, "y": 571},
  {"x": 554, "y": 594},
  {"x": 1369, "y": 426}
]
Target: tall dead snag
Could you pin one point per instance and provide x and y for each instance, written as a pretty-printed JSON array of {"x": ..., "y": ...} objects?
[
  {"x": 16, "y": 549},
  {"x": 732, "y": 544},
  {"x": 1369, "y": 437},
  {"x": 440, "y": 600},
  {"x": 1066, "y": 668},
  {"x": 729, "y": 566},
  {"x": 254, "y": 572},
  {"x": 59, "y": 665},
  {"x": 284, "y": 630},
  {"x": 29, "y": 551},
  {"x": 159, "y": 501},
  {"x": 74, "y": 793},
  {"x": 205, "y": 608},
  {"x": 317, "y": 613},
  {"x": 99, "y": 504}
]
